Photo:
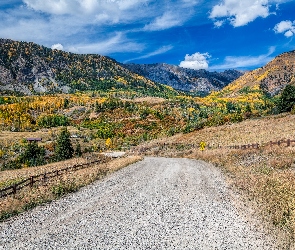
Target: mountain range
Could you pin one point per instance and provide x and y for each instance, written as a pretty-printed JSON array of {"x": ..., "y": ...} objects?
[
  {"x": 29, "y": 68},
  {"x": 189, "y": 80}
]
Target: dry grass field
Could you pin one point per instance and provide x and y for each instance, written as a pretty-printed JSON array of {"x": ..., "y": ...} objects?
[
  {"x": 259, "y": 130},
  {"x": 265, "y": 177}
]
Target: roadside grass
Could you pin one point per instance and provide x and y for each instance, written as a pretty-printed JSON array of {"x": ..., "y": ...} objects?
[
  {"x": 264, "y": 177},
  {"x": 258, "y": 130},
  {"x": 55, "y": 188}
]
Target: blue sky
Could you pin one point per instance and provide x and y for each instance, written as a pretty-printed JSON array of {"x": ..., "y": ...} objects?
[{"x": 199, "y": 34}]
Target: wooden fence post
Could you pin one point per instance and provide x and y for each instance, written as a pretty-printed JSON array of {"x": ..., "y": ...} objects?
[
  {"x": 288, "y": 143},
  {"x": 32, "y": 181},
  {"x": 14, "y": 188}
]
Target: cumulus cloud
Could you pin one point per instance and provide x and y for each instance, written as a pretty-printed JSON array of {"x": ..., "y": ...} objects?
[
  {"x": 57, "y": 46},
  {"x": 287, "y": 27},
  {"x": 239, "y": 12},
  {"x": 242, "y": 62},
  {"x": 195, "y": 61}
]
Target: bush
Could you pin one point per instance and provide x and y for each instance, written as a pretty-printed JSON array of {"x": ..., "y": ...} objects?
[
  {"x": 48, "y": 121},
  {"x": 33, "y": 155}
]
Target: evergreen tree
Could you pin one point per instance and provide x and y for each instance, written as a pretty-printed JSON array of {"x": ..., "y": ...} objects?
[
  {"x": 64, "y": 149},
  {"x": 287, "y": 99}
]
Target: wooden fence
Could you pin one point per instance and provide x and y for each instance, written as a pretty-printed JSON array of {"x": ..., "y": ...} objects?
[
  {"x": 281, "y": 143},
  {"x": 42, "y": 178},
  {"x": 246, "y": 146},
  {"x": 183, "y": 146}
]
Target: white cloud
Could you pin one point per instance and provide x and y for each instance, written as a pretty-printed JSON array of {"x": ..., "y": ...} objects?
[
  {"x": 240, "y": 12},
  {"x": 166, "y": 21},
  {"x": 73, "y": 7},
  {"x": 57, "y": 46},
  {"x": 236, "y": 62},
  {"x": 287, "y": 27},
  {"x": 112, "y": 11},
  {"x": 289, "y": 33},
  {"x": 219, "y": 23},
  {"x": 159, "y": 51},
  {"x": 117, "y": 43},
  {"x": 195, "y": 61}
]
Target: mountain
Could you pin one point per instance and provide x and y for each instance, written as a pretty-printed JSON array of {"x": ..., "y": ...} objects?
[
  {"x": 271, "y": 78},
  {"x": 29, "y": 68},
  {"x": 185, "y": 79}
]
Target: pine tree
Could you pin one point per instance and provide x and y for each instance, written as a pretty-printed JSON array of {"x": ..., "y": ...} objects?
[
  {"x": 287, "y": 99},
  {"x": 64, "y": 149}
]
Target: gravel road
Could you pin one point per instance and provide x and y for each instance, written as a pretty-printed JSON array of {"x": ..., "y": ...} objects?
[{"x": 158, "y": 203}]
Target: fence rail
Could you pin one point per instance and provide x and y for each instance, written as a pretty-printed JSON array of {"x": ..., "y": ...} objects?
[
  {"x": 283, "y": 142},
  {"x": 11, "y": 190},
  {"x": 180, "y": 145}
]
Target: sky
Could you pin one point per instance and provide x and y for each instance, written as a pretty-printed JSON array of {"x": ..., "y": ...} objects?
[{"x": 215, "y": 35}]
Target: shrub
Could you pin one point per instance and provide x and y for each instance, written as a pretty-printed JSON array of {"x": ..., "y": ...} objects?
[
  {"x": 48, "y": 121},
  {"x": 33, "y": 155}
]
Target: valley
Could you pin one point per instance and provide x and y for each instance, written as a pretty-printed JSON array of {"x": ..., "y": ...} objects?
[{"x": 86, "y": 105}]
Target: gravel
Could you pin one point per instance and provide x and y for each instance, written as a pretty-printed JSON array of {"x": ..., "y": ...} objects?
[{"x": 158, "y": 203}]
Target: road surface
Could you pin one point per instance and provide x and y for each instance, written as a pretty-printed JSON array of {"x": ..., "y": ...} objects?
[{"x": 158, "y": 203}]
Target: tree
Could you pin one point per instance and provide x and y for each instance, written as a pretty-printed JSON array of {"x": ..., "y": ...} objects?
[
  {"x": 64, "y": 149},
  {"x": 287, "y": 99}
]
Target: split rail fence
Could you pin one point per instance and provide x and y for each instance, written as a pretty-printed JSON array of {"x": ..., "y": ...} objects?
[
  {"x": 42, "y": 178},
  {"x": 280, "y": 143},
  {"x": 183, "y": 146}
]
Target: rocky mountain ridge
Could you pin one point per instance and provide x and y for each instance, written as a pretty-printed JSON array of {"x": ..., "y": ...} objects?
[
  {"x": 271, "y": 78},
  {"x": 29, "y": 68},
  {"x": 189, "y": 80}
]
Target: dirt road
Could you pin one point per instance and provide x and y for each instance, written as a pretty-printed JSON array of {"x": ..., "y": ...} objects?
[{"x": 158, "y": 203}]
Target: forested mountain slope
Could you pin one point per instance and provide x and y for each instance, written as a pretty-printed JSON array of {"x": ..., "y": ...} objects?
[{"x": 29, "y": 68}]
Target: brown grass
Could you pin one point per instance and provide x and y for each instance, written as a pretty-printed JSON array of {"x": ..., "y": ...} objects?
[
  {"x": 57, "y": 187},
  {"x": 258, "y": 130}
]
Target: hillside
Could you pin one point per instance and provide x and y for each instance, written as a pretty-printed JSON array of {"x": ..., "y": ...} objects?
[
  {"x": 29, "y": 68},
  {"x": 271, "y": 78},
  {"x": 189, "y": 80}
]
